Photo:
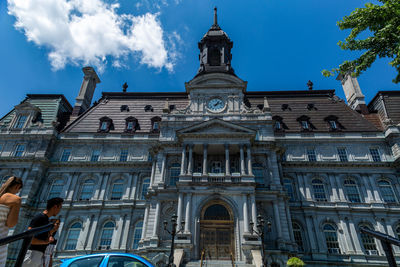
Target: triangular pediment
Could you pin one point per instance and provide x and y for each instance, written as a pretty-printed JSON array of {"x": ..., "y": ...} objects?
[
  {"x": 27, "y": 106},
  {"x": 216, "y": 80},
  {"x": 216, "y": 127}
]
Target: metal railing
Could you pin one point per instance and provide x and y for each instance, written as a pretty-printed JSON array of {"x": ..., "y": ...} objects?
[{"x": 27, "y": 237}]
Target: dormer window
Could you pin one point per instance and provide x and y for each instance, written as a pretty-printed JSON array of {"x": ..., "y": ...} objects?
[
  {"x": 305, "y": 123},
  {"x": 279, "y": 125},
  {"x": 285, "y": 106},
  {"x": 131, "y": 124},
  {"x": 155, "y": 124},
  {"x": 311, "y": 106},
  {"x": 124, "y": 108},
  {"x": 333, "y": 123},
  {"x": 20, "y": 121},
  {"x": 106, "y": 124},
  {"x": 148, "y": 108}
]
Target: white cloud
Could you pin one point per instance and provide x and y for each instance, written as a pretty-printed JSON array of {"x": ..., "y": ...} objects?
[{"x": 92, "y": 32}]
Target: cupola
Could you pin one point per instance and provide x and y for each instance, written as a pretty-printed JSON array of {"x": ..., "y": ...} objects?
[{"x": 215, "y": 50}]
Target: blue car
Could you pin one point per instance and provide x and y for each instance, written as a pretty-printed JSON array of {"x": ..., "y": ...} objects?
[{"x": 107, "y": 260}]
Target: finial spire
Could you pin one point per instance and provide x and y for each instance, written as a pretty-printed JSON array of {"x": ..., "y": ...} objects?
[{"x": 215, "y": 16}]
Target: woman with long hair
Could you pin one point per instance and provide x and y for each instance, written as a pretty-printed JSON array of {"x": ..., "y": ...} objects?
[{"x": 9, "y": 210}]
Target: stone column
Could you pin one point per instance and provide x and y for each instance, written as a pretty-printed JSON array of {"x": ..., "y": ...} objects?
[
  {"x": 289, "y": 219},
  {"x": 227, "y": 162},
  {"x": 64, "y": 195},
  {"x": 190, "y": 162},
  {"x": 187, "y": 217},
  {"x": 302, "y": 189},
  {"x": 335, "y": 196},
  {"x": 128, "y": 187},
  {"x": 145, "y": 219},
  {"x": 83, "y": 236},
  {"x": 104, "y": 186},
  {"x": 156, "y": 220},
  {"x": 183, "y": 165},
  {"x": 117, "y": 232},
  {"x": 365, "y": 179},
  {"x": 253, "y": 210},
  {"x": 274, "y": 168},
  {"x": 153, "y": 173},
  {"x": 135, "y": 178},
  {"x": 354, "y": 236},
  {"x": 163, "y": 163},
  {"x": 124, "y": 241},
  {"x": 242, "y": 167},
  {"x": 93, "y": 229},
  {"x": 205, "y": 160},
  {"x": 179, "y": 211},
  {"x": 390, "y": 232},
  {"x": 249, "y": 164},
  {"x": 74, "y": 188},
  {"x": 346, "y": 235},
  {"x": 311, "y": 233},
  {"x": 342, "y": 198},
  {"x": 246, "y": 216},
  {"x": 277, "y": 219},
  {"x": 374, "y": 188}
]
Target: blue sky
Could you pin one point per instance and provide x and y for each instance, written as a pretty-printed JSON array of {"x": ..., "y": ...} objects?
[{"x": 152, "y": 45}]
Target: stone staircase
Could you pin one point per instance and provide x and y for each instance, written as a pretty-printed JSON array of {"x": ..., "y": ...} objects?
[{"x": 217, "y": 263}]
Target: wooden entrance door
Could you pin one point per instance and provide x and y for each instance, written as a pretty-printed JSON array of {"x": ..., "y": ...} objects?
[{"x": 216, "y": 233}]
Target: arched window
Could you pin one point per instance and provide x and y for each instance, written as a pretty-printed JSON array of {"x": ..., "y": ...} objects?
[
  {"x": 331, "y": 239},
  {"x": 386, "y": 191},
  {"x": 145, "y": 187},
  {"x": 258, "y": 172},
  {"x": 352, "y": 191},
  {"x": 106, "y": 235},
  {"x": 288, "y": 184},
  {"x": 319, "y": 190},
  {"x": 137, "y": 234},
  {"x": 368, "y": 242},
  {"x": 56, "y": 188},
  {"x": 87, "y": 189},
  {"x": 174, "y": 171},
  {"x": 73, "y": 236},
  {"x": 298, "y": 236},
  {"x": 117, "y": 189}
]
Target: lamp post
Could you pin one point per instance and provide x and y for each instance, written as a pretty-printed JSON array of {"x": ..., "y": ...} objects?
[
  {"x": 173, "y": 232},
  {"x": 260, "y": 232}
]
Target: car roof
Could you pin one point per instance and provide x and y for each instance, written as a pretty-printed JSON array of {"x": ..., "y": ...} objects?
[{"x": 109, "y": 254}]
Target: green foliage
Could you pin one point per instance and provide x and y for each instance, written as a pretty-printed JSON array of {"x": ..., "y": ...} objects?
[
  {"x": 295, "y": 262},
  {"x": 382, "y": 24}
]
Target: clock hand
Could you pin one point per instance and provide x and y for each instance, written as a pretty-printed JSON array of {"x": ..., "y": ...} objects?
[{"x": 216, "y": 104}]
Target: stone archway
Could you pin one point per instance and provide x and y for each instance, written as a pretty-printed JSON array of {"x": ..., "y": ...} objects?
[{"x": 217, "y": 231}]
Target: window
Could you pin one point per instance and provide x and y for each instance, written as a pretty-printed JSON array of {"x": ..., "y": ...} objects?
[
  {"x": 174, "y": 172},
  {"x": 311, "y": 154},
  {"x": 85, "y": 262},
  {"x": 342, "y": 154},
  {"x": 145, "y": 187},
  {"x": 116, "y": 261},
  {"x": 258, "y": 172},
  {"x": 106, "y": 236},
  {"x": 73, "y": 236},
  {"x": 87, "y": 189},
  {"x": 333, "y": 125},
  {"x": 56, "y": 188},
  {"x": 298, "y": 236},
  {"x": 368, "y": 242},
  {"x": 20, "y": 122},
  {"x": 376, "y": 157},
  {"x": 398, "y": 231},
  {"x": 137, "y": 234},
  {"x": 131, "y": 124},
  {"x": 148, "y": 108},
  {"x": 95, "y": 155},
  {"x": 331, "y": 239},
  {"x": 304, "y": 125},
  {"x": 117, "y": 189},
  {"x": 387, "y": 191},
  {"x": 65, "y": 154},
  {"x": 155, "y": 124},
  {"x": 216, "y": 167},
  {"x": 19, "y": 150},
  {"x": 352, "y": 191},
  {"x": 319, "y": 190},
  {"x": 278, "y": 125},
  {"x": 124, "y": 155},
  {"x": 124, "y": 108},
  {"x": 288, "y": 184},
  {"x": 106, "y": 124}
]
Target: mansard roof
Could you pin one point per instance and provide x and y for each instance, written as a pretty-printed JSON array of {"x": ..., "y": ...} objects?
[{"x": 324, "y": 104}]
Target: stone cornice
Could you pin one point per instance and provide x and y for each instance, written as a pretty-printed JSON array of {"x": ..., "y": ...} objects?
[
  {"x": 337, "y": 164},
  {"x": 110, "y": 164}
]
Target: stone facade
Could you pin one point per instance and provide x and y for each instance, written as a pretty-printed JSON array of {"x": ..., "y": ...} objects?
[{"x": 310, "y": 165}]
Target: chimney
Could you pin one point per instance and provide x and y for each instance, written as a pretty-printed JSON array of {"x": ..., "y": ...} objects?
[
  {"x": 354, "y": 96},
  {"x": 84, "y": 99}
]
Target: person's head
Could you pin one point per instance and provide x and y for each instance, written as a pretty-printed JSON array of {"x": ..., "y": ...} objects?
[
  {"x": 56, "y": 223},
  {"x": 13, "y": 185},
  {"x": 54, "y": 206}
]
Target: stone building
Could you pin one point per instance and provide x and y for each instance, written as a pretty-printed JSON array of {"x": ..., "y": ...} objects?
[{"x": 315, "y": 168}]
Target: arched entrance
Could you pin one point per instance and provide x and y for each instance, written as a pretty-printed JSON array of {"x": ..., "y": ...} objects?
[{"x": 216, "y": 231}]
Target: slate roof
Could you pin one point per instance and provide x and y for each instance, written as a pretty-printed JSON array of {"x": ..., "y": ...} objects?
[
  {"x": 390, "y": 104},
  {"x": 325, "y": 104}
]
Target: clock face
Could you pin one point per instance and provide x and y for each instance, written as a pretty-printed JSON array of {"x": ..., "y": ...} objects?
[{"x": 216, "y": 104}]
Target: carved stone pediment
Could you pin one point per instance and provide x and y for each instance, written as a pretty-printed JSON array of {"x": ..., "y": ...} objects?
[
  {"x": 216, "y": 127},
  {"x": 216, "y": 80},
  {"x": 26, "y": 106}
]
